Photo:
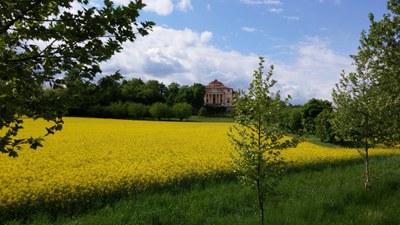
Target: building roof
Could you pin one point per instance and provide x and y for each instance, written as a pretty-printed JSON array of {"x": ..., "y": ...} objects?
[{"x": 217, "y": 85}]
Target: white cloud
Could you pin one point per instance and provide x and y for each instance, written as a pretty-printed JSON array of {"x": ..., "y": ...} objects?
[
  {"x": 266, "y": 2},
  {"x": 77, "y": 6},
  {"x": 181, "y": 56},
  {"x": 184, "y": 5},
  {"x": 165, "y": 7},
  {"x": 292, "y": 18},
  {"x": 275, "y": 10},
  {"x": 187, "y": 57},
  {"x": 122, "y": 2},
  {"x": 205, "y": 37},
  {"x": 249, "y": 29},
  {"x": 314, "y": 72},
  {"x": 161, "y": 7}
]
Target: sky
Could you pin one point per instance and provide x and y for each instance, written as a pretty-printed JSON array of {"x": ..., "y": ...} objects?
[{"x": 309, "y": 43}]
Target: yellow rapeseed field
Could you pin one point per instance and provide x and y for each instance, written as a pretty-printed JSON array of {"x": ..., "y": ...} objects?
[{"x": 94, "y": 157}]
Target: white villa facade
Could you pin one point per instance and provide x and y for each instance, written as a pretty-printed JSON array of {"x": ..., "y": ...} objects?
[{"x": 218, "y": 95}]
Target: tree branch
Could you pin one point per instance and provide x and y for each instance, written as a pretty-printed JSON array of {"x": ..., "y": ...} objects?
[
  {"x": 40, "y": 55},
  {"x": 21, "y": 16}
]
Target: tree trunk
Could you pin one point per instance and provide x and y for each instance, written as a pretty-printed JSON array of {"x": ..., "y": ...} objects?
[
  {"x": 260, "y": 191},
  {"x": 367, "y": 183},
  {"x": 260, "y": 202}
]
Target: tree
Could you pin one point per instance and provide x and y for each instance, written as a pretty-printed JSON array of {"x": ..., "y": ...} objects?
[
  {"x": 202, "y": 112},
  {"x": 355, "y": 118},
  {"x": 152, "y": 92},
  {"x": 116, "y": 110},
  {"x": 323, "y": 126},
  {"x": 311, "y": 110},
  {"x": 130, "y": 89},
  {"x": 75, "y": 96},
  {"x": 198, "y": 92},
  {"x": 171, "y": 93},
  {"x": 257, "y": 137},
  {"x": 182, "y": 110},
  {"x": 379, "y": 51},
  {"x": 160, "y": 110},
  {"x": 295, "y": 124},
  {"x": 109, "y": 89},
  {"x": 136, "y": 110},
  {"x": 184, "y": 94},
  {"x": 41, "y": 40},
  {"x": 366, "y": 102}
]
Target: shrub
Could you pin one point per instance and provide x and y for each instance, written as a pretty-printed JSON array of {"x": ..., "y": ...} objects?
[
  {"x": 182, "y": 110},
  {"x": 136, "y": 110},
  {"x": 323, "y": 126},
  {"x": 117, "y": 110},
  {"x": 160, "y": 110},
  {"x": 216, "y": 110},
  {"x": 95, "y": 111},
  {"x": 202, "y": 112}
]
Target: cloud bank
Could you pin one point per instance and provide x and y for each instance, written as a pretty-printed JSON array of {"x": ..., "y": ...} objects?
[
  {"x": 166, "y": 7},
  {"x": 162, "y": 7},
  {"x": 187, "y": 57}
]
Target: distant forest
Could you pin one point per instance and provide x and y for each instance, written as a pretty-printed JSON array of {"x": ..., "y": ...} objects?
[
  {"x": 93, "y": 99},
  {"x": 115, "y": 97}
]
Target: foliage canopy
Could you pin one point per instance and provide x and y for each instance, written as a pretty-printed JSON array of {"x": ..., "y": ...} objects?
[
  {"x": 367, "y": 102},
  {"x": 182, "y": 110},
  {"x": 42, "y": 41}
]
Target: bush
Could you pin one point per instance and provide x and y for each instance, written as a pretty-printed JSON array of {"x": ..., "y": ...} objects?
[
  {"x": 323, "y": 126},
  {"x": 182, "y": 110},
  {"x": 216, "y": 110},
  {"x": 117, "y": 110},
  {"x": 295, "y": 124},
  {"x": 202, "y": 112},
  {"x": 136, "y": 110},
  {"x": 96, "y": 111},
  {"x": 160, "y": 110}
]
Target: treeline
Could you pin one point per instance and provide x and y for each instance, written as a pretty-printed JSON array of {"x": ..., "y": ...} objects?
[
  {"x": 115, "y": 97},
  {"x": 312, "y": 118}
]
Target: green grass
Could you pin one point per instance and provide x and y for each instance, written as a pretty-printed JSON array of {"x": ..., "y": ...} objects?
[
  {"x": 316, "y": 140},
  {"x": 329, "y": 195},
  {"x": 210, "y": 119}
]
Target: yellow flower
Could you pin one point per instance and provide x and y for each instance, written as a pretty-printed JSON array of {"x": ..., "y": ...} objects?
[{"x": 93, "y": 157}]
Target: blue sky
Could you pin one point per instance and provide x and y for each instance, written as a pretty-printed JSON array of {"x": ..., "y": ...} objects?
[{"x": 197, "y": 41}]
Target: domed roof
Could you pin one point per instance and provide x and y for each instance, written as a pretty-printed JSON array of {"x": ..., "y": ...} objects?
[{"x": 217, "y": 85}]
